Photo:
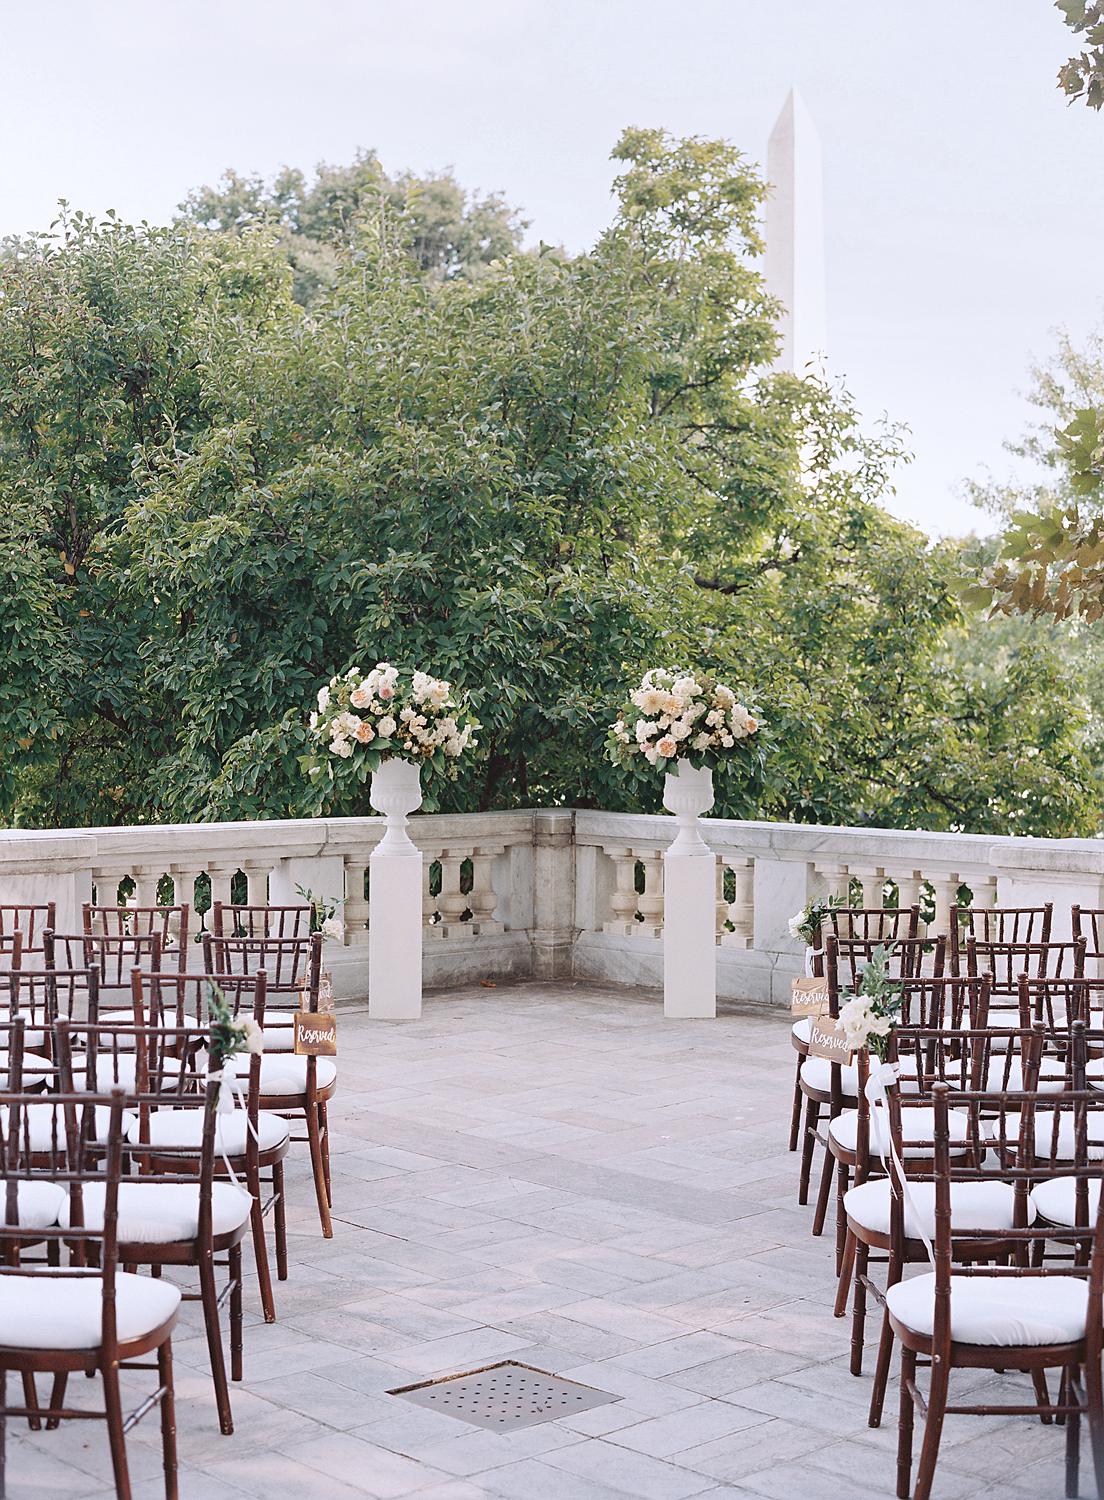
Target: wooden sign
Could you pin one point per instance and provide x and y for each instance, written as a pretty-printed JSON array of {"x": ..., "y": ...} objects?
[
  {"x": 315, "y": 1034},
  {"x": 809, "y": 997},
  {"x": 828, "y": 1039}
]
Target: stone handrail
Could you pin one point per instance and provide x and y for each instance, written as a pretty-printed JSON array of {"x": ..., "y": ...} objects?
[{"x": 555, "y": 893}]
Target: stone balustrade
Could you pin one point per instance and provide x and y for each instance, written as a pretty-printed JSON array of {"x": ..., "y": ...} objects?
[{"x": 555, "y": 893}]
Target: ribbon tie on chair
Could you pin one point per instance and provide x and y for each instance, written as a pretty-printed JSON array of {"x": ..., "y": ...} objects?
[
  {"x": 230, "y": 1098},
  {"x": 884, "y": 1075}
]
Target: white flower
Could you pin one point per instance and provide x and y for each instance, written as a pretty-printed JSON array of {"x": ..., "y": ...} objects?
[
  {"x": 724, "y": 696},
  {"x": 680, "y": 730},
  {"x": 727, "y": 741},
  {"x": 667, "y": 747},
  {"x": 333, "y": 927},
  {"x": 340, "y": 746},
  {"x": 700, "y": 741},
  {"x": 254, "y": 1036},
  {"x": 855, "y": 1021},
  {"x": 644, "y": 731},
  {"x": 714, "y": 718},
  {"x": 314, "y": 721},
  {"x": 360, "y": 697},
  {"x": 386, "y": 726},
  {"x": 323, "y": 699},
  {"x": 796, "y": 923},
  {"x": 651, "y": 754},
  {"x": 685, "y": 689}
]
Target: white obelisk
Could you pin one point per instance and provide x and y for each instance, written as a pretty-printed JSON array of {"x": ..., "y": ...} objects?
[{"x": 794, "y": 234}]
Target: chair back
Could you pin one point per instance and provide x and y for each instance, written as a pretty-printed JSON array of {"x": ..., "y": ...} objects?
[
  {"x": 11, "y": 951},
  {"x": 997, "y": 924},
  {"x": 169, "y": 923},
  {"x": 1005, "y": 962},
  {"x": 29, "y": 918},
  {"x": 229, "y": 920},
  {"x": 293, "y": 966}
]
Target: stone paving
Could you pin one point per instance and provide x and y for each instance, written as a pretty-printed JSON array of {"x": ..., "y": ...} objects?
[{"x": 552, "y": 1174}]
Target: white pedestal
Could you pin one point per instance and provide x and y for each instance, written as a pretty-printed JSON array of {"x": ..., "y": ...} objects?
[
  {"x": 395, "y": 882},
  {"x": 394, "y": 936},
  {"x": 689, "y": 936}
]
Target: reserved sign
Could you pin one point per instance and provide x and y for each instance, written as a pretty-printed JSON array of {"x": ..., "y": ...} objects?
[
  {"x": 315, "y": 1034},
  {"x": 827, "y": 1038},
  {"x": 809, "y": 997}
]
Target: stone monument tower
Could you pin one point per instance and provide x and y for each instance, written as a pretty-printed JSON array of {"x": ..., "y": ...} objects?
[{"x": 794, "y": 234}]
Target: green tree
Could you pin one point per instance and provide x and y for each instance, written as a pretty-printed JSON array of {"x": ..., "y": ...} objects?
[
  {"x": 535, "y": 481},
  {"x": 448, "y": 232},
  {"x": 1083, "y": 76}
]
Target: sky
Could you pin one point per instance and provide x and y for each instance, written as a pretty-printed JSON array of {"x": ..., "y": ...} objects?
[{"x": 963, "y": 206}]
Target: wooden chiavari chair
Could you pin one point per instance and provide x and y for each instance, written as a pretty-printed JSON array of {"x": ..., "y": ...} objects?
[
  {"x": 115, "y": 955},
  {"x": 934, "y": 1013},
  {"x": 177, "y": 1215},
  {"x": 881, "y": 924},
  {"x": 254, "y": 1153},
  {"x": 825, "y": 1083},
  {"x": 969, "y": 1314},
  {"x": 997, "y": 924},
  {"x": 87, "y": 1316},
  {"x": 297, "y": 1087},
  {"x": 1005, "y": 962}
]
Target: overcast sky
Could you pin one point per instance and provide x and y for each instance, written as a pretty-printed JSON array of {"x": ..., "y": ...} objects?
[{"x": 963, "y": 203}]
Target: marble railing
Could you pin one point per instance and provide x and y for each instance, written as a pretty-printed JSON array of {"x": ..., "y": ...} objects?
[{"x": 554, "y": 893}]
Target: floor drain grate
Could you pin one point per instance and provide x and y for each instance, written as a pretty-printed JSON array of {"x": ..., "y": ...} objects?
[{"x": 505, "y": 1396}]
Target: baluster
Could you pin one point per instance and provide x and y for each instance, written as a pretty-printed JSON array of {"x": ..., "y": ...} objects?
[
  {"x": 720, "y": 903},
  {"x": 872, "y": 882},
  {"x": 145, "y": 886},
  {"x": 453, "y": 903},
  {"x": 945, "y": 891},
  {"x": 184, "y": 880},
  {"x": 256, "y": 882},
  {"x": 222, "y": 884},
  {"x": 355, "y": 910},
  {"x": 741, "y": 911},
  {"x": 651, "y": 902},
  {"x": 107, "y": 879},
  {"x": 908, "y": 888},
  {"x": 483, "y": 898},
  {"x": 623, "y": 897},
  {"x": 836, "y": 881}
]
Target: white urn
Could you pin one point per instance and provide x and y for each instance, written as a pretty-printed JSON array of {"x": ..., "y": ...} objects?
[
  {"x": 688, "y": 793},
  {"x": 396, "y": 792}
]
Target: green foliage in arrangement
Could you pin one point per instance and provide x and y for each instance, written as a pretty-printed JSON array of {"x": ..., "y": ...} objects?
[
  {"x": 1083, "y": 76},
  {"x": 532, "y": 475}
]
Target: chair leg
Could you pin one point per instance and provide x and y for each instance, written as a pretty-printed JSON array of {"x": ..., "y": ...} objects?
[
  {"x": 795, "y": 1112},
  {"x": 812, "y": 1116},
  {"x": 843, "y": 1179},
  {"x": 827, "y": 1173},
  {"x": 57, "y": 1398},
  {"x": 904, "y": 1426},
  {"x": 933, "y": 1429},
  {"x": 236, "y": 1312},
  {"x": 113, "y": 1407},
  {"x": 208, "y": 1293},
  {"x": 858, "y": 1311},
  {"x": 260, "y": 1255},
  {"x": 168, "y": 1420},
  {"x": 1068, "y": 1396},
  {"x": 843, "y": 1286},
  {"x": 324, "y": 1132},
  {"x": 30, "y": 1398},
  {"x": 1042, "y": 1396},
  {"x": 280, "y": 1220},
  {"x": 885, "y": 1355},
  {"x": 319, "y": 1170}
]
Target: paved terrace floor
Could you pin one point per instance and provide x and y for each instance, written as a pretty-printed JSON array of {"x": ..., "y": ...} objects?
[{"x": 551, "y": 1174}]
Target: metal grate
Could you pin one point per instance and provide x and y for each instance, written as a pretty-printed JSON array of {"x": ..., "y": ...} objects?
[{"x": 506, "y": 1396}]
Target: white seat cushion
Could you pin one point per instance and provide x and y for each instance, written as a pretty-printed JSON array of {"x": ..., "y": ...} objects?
[
  {"x": 40, "y": 1123},
  {"x": 39, "y": 1204},
  {"x": 284, "y": 1073},
  {"x": 1060, "y": 1146},
  {"x": 183, "y": 1128},
  {"x": 34, "y": 1065},
  {"x": 916, "y": 1125},
  {"x": 161, "y": 1213},
  {"x": 279, "y": 1031},
  {"x": 1056, "y": 1199},
  {"x": 974, "y": 1205},
  {"x": 803, "y": 1029},
  {"x": 997, "y": 1311},
  {"x": 39, "y": 1312},
  {"x": 816, "y": 1073},
  {"x": 116, "y": 1070}
]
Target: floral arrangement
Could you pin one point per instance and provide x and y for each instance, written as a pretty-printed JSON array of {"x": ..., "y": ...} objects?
[
  {"x": 230, "y": 1034},
  {"x": 388, "y": 714},
  {"x": 869, "y": 1016},
  {"x": 679, "y": 715},
  {"x": 805, "y": 924},
  {"x": 324, "y": 917}
]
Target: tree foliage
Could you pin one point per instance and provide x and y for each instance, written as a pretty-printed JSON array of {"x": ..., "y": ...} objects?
[
  {"x": 532, "y": 474},
  {"x": 1082, "y": 77}
]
